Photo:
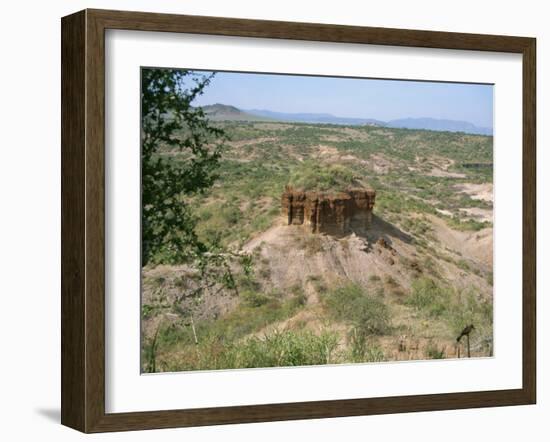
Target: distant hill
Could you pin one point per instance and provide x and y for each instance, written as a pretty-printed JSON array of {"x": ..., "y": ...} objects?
[
  {"x": 439, "y": 125},
  {"x": 321, "y": 118},
  {"x": 224, "y": 112}
]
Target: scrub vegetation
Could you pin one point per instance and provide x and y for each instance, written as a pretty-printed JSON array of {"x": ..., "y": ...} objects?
[{"x": 226, "y": 284}]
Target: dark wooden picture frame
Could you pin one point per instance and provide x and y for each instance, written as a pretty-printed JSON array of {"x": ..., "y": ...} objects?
[{"x": 83, "y": 220}]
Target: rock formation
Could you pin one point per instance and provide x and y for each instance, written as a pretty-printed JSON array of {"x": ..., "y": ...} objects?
[{"x": 333, "y": 213}]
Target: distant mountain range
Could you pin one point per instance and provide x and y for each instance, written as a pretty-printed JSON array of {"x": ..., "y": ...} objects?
[
  {"x": 224, "y": 112},
  {"x": 439, "y": 125},
  {"x": 313, "y": 118}
]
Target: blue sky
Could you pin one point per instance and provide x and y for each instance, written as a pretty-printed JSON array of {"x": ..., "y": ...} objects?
[{"x": 350, "y": 97}]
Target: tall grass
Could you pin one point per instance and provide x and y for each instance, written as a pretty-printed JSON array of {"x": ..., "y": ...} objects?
[
  {"x": 274, "y": 349},
  {"x": 255, "y": 311},
  {"x": 362, "y": 349}
]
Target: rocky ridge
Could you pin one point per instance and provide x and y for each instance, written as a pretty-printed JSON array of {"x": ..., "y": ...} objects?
[{"x": 333, "y": 213}]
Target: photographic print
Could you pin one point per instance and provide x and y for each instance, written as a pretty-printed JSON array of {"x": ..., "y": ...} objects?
[{"x": 294, "y": 220}]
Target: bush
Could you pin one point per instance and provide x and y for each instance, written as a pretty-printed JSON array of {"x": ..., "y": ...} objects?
[
  {"x": 147, "y": 311},
  {"x": 254, "y": 299},
  {"x": 351, "y": 303},
  {"x": 464, "y": 265},
  {"x": 429, "y": 297}
]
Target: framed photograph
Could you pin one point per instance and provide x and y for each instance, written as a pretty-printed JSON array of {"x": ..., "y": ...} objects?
[{"x": 267, "y": 221}]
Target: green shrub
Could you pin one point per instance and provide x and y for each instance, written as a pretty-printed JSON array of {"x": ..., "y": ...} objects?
[
  {"x": 232, "y": 215},
  {"x": 147, "y": 311},
  {"x": 464, "y": 265},
  {"x": 254, "y": 299},
  {"x": 427, "y": 296},
  {"x": 352, "y": 304}
]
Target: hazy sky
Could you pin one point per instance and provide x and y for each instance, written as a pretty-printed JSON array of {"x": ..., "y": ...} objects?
[{"x": 350, "y": 97}]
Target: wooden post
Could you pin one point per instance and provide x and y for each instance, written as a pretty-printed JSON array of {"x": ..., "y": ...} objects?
[
  {"x": 194, "y": 331},
  {"x": 468, "y": 343},
  {"x": 289, "y": 211},
  {"x": 152, "y": 362}
]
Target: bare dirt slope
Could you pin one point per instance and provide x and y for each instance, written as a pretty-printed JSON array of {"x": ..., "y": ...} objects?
[
  {"x": 384, "y": 257},
  {"x": 291, "y": 256},
  {"x": 384, "y": 260},
  {"x": 476, "y": 246}
]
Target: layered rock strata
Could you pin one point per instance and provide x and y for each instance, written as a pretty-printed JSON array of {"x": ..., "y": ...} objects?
[{"x": 329, "y": 212}]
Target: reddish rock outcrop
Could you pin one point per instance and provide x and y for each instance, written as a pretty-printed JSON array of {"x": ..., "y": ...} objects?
[{"x": 334, "y": 213}]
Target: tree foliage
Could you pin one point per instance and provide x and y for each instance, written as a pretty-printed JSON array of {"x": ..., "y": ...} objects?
[{"x": 169, "y": 122}]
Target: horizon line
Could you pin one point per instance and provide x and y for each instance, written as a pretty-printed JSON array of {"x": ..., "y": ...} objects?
[{"x": 257, "y": 109}]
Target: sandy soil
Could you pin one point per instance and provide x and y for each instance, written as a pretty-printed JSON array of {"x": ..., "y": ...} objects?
[
  {"x": 296, "y": 256},
  {"x": 477, "y": 246},
  {"x": 380, "y": 163},
  {"x": 331, "y": 154},
  {"x": 478, "y": 214},
  {"x": 477, "y": 191},
  {"x": 444, "y": 212},
  {"x": 440, "y": 173}
]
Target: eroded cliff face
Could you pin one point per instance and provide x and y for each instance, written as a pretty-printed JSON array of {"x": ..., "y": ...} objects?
[{"x": 334, "y": 213}]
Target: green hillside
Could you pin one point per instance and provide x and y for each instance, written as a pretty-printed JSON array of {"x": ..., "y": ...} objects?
[{"x": 401, "y": 291}]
